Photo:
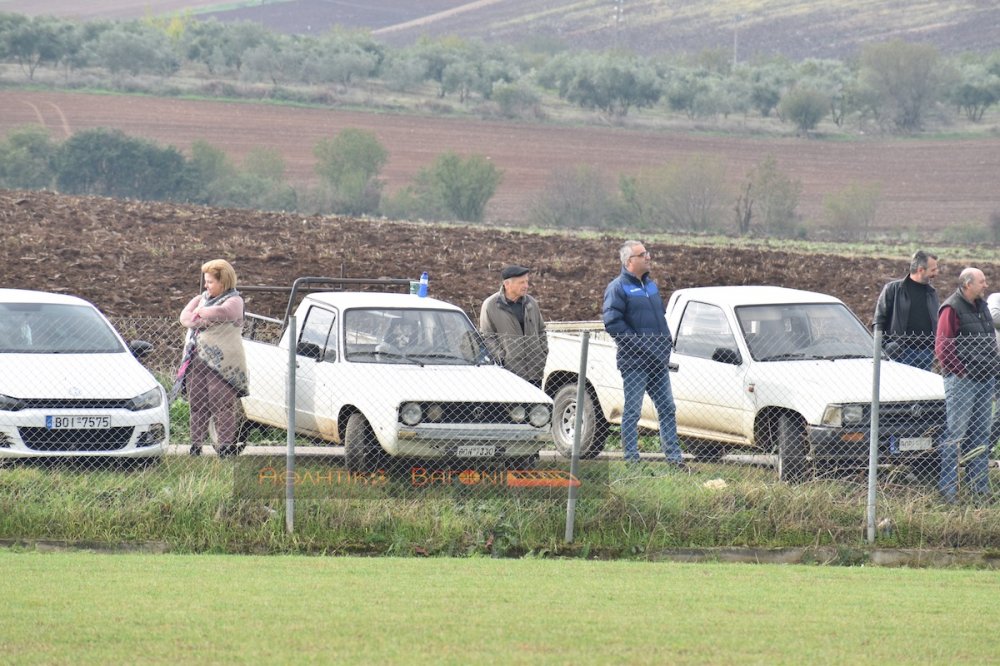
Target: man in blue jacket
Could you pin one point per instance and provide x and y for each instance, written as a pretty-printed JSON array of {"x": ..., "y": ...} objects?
[{"x": 635, "y": 317}]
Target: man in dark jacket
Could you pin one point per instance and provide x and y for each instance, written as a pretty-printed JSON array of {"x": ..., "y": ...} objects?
[
  {"x": 513, "y": 327},
  {"x": 907, "y": 313},
  {"x": 966, "y": 349},
  {"x": 635, "y": 317}
]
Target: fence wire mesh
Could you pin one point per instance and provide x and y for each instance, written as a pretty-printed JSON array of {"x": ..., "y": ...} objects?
[{"x": 413, "y": 405}]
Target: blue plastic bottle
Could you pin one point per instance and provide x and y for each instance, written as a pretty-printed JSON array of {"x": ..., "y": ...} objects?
[{"x": 423, "y": 284}]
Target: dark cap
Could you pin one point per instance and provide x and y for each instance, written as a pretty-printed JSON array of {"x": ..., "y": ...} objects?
[{"x": 513, "y": 272}]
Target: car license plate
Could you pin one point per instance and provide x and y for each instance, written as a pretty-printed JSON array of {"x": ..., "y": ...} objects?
[
  {"x": 915, "y": 443},
  {"x": 77, "y": 422},
  {"x": 476, "y": 451}
]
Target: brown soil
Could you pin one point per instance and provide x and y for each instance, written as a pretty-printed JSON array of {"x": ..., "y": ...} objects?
[
  {"x": 925, "y": 184},
  {"x": 142, "y": 259}
]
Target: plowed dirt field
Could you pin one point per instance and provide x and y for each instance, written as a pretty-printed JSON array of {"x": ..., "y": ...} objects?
[{"x": 142, "y": 259}]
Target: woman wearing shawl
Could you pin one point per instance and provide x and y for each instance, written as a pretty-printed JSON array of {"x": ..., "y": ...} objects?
[{"x": 215, "y": 370}]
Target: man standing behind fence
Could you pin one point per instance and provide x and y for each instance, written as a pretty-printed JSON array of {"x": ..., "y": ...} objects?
[
  {"x": 513, "y": 327},
  {"x": 907, "y": 313},
  {"x": 635, "y": 317},
  {"x": 966, "y": 349}
]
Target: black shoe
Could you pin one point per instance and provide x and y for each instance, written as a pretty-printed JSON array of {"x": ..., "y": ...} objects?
[
  {"x": 194, "y": 451},
  {"x": 679, "y": 465}
]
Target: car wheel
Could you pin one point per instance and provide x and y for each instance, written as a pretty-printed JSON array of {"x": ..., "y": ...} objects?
[
  {"x": 595, "y": 428},
  {"x": 242, "y": 429},
  {"x": 362, "y": 452},
  {"x": 793, "y": 450}
]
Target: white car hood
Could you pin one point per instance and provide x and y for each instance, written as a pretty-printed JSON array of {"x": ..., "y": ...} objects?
[
  {"x": 74, "y": 376},
  {"x": 848, "y": 380}
]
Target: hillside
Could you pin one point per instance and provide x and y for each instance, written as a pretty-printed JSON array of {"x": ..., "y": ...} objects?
[
  {"x": 792, "y": 28},
  {"x": 142, "y": 259}
]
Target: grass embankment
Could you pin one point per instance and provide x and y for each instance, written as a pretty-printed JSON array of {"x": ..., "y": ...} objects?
[
  {"x": 86, "y": 608},
  {"x": 190, "y": 505}
]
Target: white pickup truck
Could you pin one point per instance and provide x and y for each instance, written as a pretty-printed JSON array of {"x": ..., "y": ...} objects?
[
  {"x": 389, "y": 374},
  {"x": 760, "y": 369}
]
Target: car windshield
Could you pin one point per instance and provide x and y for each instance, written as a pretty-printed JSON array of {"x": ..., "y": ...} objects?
[
  {"x": 411, "y": 336},
  {"x": 799, "y": 331},
  {"x": 49, "y": 328}
]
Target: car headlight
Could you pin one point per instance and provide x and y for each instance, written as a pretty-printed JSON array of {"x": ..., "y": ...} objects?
[
  {"x": 838, "y": 416},
  {"x": 518, "y": 413},
  {"x": 148, "y": 400},
  {"x": 8, "y": 404},
  {"x": 411, "y": 413},
  {"x": 539, "y": 416}
]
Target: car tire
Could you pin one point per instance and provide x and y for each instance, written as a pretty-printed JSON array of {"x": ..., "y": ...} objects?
[
  {"x": 595, "y": 428},
  {"x": 793, "y": 450},
  {"x": 362, "y": 452}
]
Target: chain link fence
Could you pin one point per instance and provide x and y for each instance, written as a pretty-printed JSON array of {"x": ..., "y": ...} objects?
[{"x": 406, "y": 406}]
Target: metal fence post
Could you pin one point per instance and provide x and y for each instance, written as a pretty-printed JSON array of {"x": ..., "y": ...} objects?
[
  {"x": 873, "y": 442},
  {"x": 290, "y": 456},
  {"x": 574, "y": 464}
]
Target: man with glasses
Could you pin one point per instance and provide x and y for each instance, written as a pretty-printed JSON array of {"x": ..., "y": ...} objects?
[{"x": 635, "y": 317}]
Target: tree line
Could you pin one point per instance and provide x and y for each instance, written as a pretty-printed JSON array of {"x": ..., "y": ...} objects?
[
  {"x": 894, "y": 86},
  {"x": 108, "y": 162}
]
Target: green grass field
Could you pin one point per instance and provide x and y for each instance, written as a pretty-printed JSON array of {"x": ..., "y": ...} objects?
[{"x": 83, "y": 608}]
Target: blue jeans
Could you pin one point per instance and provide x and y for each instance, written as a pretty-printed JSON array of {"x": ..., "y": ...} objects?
[
  {"x": 656, "y": 382},
  {"x": 918, "y": 358},
  {"x": 969, "y": 404}
]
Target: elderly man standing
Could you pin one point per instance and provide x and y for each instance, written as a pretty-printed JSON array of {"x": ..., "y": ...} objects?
[
  {"x": 635, "y": 317},
  {"x": 966, "y": 350},
  {"x": 513, "y": 327},
  {"x": 907, "y": 311}
]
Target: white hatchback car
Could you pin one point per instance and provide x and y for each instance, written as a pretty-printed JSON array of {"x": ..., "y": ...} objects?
[{"x": 70, "y": 386}]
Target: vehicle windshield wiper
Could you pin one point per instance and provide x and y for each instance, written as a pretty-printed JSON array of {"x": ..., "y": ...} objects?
[
  {"x": 395, "y": 356},
  {"x": 450, "y": 357},
  {"x": 782, "y": 357}
]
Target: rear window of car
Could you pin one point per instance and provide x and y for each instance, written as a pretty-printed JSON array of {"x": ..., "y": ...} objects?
[{"x": 50, "y": 328}]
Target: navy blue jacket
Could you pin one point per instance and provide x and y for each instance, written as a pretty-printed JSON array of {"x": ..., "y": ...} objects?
[{"x": 635, "y": 317}]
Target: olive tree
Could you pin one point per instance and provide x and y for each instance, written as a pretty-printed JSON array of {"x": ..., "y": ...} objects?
[
  {"x": 901, "y": 82},
  {"x": 349, "y": 165},
  {"x": 687, "y": 196},
  {"x": 577, "y": 198},
  {"x": 108, "y": 162},
  {"x": 804, "y": 107},
  {"x": 26, "y": 158},
  {"x": 850, "y": 212}
]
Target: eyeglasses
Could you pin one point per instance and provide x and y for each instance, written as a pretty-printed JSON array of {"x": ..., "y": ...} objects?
[{"x": 645, "y": 254}]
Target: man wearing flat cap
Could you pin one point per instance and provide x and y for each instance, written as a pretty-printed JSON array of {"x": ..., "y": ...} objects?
[{"x": 513, "y": 328}]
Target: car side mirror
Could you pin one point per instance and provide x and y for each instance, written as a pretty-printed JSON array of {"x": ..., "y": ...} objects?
[
  {"x": 309, "y": 350},
  {"x": 726, "y": 355},
  {"x": 140, "y": 348}
]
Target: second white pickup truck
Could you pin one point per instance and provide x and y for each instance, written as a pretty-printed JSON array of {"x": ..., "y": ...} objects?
[{"x": 759, "y": 369}]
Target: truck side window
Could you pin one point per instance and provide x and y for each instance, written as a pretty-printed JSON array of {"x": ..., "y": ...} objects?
[
  {"x": 703, "y": 330},
  {"x": 319, "y": 329}
]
